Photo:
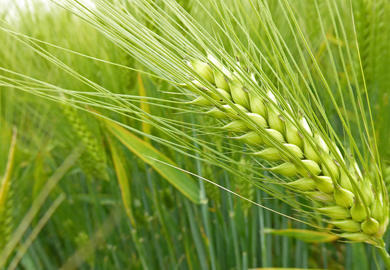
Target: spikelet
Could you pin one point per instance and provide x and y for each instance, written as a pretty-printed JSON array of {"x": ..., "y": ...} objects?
[
  {"x": 347, "y": 225},
  {"x": 302, "y": 155},
  {"x": 303, "y": 184}
]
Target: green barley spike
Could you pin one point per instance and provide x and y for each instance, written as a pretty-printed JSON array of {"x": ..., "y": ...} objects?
[
  {"x": 302, "y": 155},
  {"x": 93, "y": 160}
]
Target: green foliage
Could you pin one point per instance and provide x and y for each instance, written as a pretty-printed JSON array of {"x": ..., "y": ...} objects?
[{"x": 162, "y": 164}]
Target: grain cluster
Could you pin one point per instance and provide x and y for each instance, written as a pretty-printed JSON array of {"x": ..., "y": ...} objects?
[{"x": 349, "y": 201}]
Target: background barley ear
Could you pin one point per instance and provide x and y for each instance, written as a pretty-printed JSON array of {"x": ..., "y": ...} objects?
[
  {"x": 244, "y": 186},
  {"x": 370, "y": 18},
  {"x": 6, "y": 217},
  {"x": 93, "y": 159},
  {"x": 6, "y": 195}
]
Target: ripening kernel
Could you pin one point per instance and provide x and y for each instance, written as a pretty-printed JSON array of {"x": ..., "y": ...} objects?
[
  {"x": 274, "y": 120},
  {"x": 370, "y": 226},
  {"x": 231, "y": 111},
  {"x": 292, "y": 135},
  {"x": 377, "y": 208},
  {"x": 358, "y": 212},
  {"x": 355, "y": 237},
  {"x": 343, "y": 197},
  {"x": 258, "y": 119},
  {"x": 324, "y": 184},
  {"x": 251, "y": 138},
  {"x": 239, "y": 94},
  {"x": 294, "y": 150},
  {"x": 347, "y": 225},
  {"x": 217, "y": 113},
  {"x": 309, "y": 168},
  {"x": 220, "y": 80},
  {"x": 273, "y": 154},
  {"x": 303, "y": 184},
  {"x": 310, "y": 152},
  {"x": 344, "y": 181},
  {"x": 329, "y": 167},
  {"x": 257, "y": 105},
  {"x": 201, "y": 101},
  {"x": 203, "y": 70},
  {"x": 236, "y": 126},
  {"x": 286, "y": 169},
  {"x": 366, "y": 188},
  {"x": 276, "y": 135},
  {"x": 382, "y": 227},
  {"x": 270, "y": 154},
  {"x": 221, "y": 93},
  {"x": 335, "y": 212}
]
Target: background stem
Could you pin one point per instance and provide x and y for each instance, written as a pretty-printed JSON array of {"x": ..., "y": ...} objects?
[{"x": 385, "y": 256}]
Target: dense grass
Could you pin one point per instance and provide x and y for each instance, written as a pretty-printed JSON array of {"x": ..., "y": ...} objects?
[{"x": 91, "y": 227}]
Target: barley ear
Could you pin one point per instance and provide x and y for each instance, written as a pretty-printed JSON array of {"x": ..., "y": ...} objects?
[{"x": 298, "y": 153}]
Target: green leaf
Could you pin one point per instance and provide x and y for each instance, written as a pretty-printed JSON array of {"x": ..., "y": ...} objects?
[
  {"x": 179, "y": 179},
  {"x": 122, "y": 179},
  {"x": 308, "y": 236}
]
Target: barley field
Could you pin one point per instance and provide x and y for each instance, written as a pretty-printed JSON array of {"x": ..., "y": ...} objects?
[{"x": 194, "y": 134}]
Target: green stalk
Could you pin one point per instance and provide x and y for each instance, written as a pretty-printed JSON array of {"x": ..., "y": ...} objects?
[
  {"x": 263, "y": 240},
  {"x": 233, "y": 225},
  {"x": 204, "y": 211},
  {"x": 196, "y": 235},
  {"x": 285, "y": 243},
  {"x": 160, "y": 216},
  {"x": 385, "y": 256},
  {"x": 253, "y": 236},
  {"x": 138, "y": 247}
]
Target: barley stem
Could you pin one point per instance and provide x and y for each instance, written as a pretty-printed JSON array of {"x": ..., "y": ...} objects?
[{"x": 385, "y": 256}]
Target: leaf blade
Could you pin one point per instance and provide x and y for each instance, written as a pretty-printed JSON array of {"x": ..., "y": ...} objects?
[
  {"x": 122, "y": 178},
  {"x": 180, "y": 180}
]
